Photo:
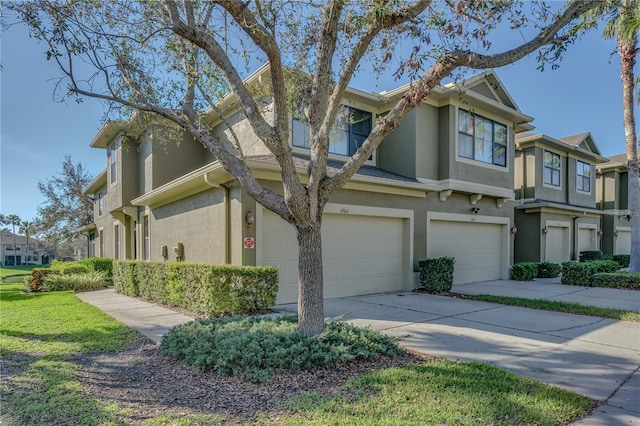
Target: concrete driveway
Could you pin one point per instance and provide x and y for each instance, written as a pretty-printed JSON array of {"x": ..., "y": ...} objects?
[{"x": 588, "y": 355}]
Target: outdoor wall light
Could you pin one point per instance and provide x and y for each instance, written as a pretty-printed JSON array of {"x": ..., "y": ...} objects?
[
  {"x": 600, "y": 233},
  {"x": 514, "y": 230},
  {"x": 475, "y": 210},
  {"x": 545, "y": 230},
  {"x": 250, "y": 220},
  {"x": 615, "y": 234}
]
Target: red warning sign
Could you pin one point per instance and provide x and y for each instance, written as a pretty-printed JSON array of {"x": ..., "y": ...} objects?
[{"x": 249, "y": 243}]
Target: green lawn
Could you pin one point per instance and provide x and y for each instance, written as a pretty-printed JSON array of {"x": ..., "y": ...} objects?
[
  {"x": 550, "y": 305},
  {"x": 38, "y": 333},
  {"x": 41, "y": 332},
  {"x": 17, "y": 270}
]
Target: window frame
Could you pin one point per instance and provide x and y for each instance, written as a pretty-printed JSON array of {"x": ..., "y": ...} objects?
[
  {"x": 116, "y": 240},
  {"x": 495, "y": 145},
  {"x": 145, "y": 237},
  {"x": 353, "y": 135},
  {"x": 583, "y": 178},
  {"x": 112, "y": 155},
  {"x": 552, "y": 169}
]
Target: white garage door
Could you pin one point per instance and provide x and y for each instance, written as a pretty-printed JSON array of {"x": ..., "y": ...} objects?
[
  {"x": 586, "y": 239},
  {"x": 557, "y": 244},
  {"x": 361, "y": 254},
  {"x": 623, "y": 242},
  {"x": 476, "y": 247}
]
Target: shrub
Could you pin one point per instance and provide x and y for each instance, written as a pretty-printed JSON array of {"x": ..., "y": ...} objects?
[
  {"x": 524, "y": 271},
  {"x": 589, "y": 255},
  {"x": 574, "y": 273},
  {"x": 201, "y": 289},
  {"x": 255, "y": 348},
  {"x": 622, "y": 259},
  {"x": 70, "y": 267},
  {"x": 548, "y": 270},
  {"x": 35, "y": 282},
  {"x": 79, "y": 282},
  {"x": 617, "y": 280},
  {"x": 101, "y": 264},
  {"x": 436, "y": 275}
]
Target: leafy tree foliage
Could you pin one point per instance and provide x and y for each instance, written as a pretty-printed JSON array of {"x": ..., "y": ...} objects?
[
  {"x": 66, "y": 208},
  {"x": 176, "y": 60}
]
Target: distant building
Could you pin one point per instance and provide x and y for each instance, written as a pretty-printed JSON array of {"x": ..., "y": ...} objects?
[{"x": 19, "y": 251}]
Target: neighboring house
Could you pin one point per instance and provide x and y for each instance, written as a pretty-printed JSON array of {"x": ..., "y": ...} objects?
[
  {"x": 555, "y": 212},
  {"x": 17, "y": 251},
  {"x": 612, "y": 198},
  {"x": 437, "y": 186}
]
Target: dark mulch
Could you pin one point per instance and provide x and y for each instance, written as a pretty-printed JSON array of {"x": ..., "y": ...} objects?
[{"x": 147, "y": 384}]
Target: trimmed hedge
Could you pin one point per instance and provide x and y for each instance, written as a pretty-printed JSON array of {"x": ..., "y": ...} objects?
[
  {"x": 622, "y": 259},
  {"x": 581, "y": 273},
  {"x": 589, "y": 255},
  {"x": 198, "y": 288},
  {"x": 436, "y": 275},
  {"x": 617, "y": 280},
  {"x": 524, "y": 271},
  {"x": 35, "y": 281},
  {"x": 548, "y": 270}
]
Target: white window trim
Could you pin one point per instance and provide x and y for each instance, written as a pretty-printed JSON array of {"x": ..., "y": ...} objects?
[
  {"x": 590, "y": 180},
  {"x": 471, "y": 161},
  {"x": 548, "y": 185}
]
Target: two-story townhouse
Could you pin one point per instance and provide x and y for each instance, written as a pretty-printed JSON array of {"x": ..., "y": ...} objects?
[
  {"x": 555, "y": 211},
  {"x": 437, "y": 186},
  {"x": 17, "y": 250},
  {"x": 612, "y": 198}
]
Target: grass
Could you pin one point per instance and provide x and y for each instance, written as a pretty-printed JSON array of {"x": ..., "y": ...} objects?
[
  {"x": 550, "y": 305},
  {"x": 6, "y": 271},
  {"x": 443, "y": 393},
  {"x": 41, "y": 333}
]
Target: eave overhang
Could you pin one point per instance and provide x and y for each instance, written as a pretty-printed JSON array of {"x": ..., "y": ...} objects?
[
  {"x": 566, "y": 209},
  {"x": 95, "y": 185},
  {"x": 542, "y": 141},
  {"x": 214, "y": 175}
]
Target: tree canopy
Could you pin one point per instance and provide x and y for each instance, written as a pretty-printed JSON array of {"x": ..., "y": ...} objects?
[{"x": 178, "y": 59}]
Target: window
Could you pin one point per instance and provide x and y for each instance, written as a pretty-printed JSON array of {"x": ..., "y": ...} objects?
[
  {"x": 551, "y": 168},
  {"x": 116, "y": 241},
  {"x": 101, "y": 237},
  {"x": 350, "y": 130},
  {"x": 481, "y": 139},
  {"x": 583, "y": 182},
  {"x": 145, "y": 237},
  {"x": 112, "y": 153},
  {"x": 100, "y": 203}
]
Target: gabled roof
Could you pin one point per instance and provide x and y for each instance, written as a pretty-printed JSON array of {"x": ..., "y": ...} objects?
[
  {"x": 582, "y": 144},
  {"x": 97, "y": 183},
  {"x": 582, "y": 140},
  {"x": 618, "y": 161},
  {"x": 489, "y": 85},
  {"x": 7, "y": 238}
]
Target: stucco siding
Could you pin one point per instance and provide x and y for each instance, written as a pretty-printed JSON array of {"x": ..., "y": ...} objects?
[{"x": 398, "y": 151}]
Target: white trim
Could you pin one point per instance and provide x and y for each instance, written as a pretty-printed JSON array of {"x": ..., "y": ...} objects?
[
  {"x": 623, "y": 228},
  {"x": 557, "y": 224},
  {"x": 566, "y": 240},
  {"x": 468, "y": 187},
  {"x": 587, "y": 226},
  {"x": 549, "y": 185}
]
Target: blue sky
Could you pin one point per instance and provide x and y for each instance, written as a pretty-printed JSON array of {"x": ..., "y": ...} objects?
[{"x": 36, "y": 132}]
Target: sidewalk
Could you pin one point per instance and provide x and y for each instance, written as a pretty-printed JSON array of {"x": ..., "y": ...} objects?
[
  {"x": 151, "y": 320},
  {"x": 592, "y": 356}
]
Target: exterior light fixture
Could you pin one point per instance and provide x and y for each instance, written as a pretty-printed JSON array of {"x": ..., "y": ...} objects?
[
  {"x": 514, "y": 230},
  {"x": 545, "y": 230},
  {"x": 250, "y": 219},
  {"x": 615, "y": 234},
  {"x": 600, "y": 233},
  {"x": 475, "y": 210}
]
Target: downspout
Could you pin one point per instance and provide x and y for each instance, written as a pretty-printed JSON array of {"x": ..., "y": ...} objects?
[
  {"x": 574, "y": 238},
  {"x": 227, "y": 216}
]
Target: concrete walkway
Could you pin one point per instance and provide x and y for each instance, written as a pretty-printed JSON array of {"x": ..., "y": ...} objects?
[{"x": 593, "y": 356}]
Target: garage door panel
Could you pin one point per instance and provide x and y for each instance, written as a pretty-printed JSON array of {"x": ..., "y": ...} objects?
[
  {"x": 361, "y": 254},
  {"x": 557, "y": 244},
  {"x": 476, "y": 248},
  {"x": 623, "y": 242}
]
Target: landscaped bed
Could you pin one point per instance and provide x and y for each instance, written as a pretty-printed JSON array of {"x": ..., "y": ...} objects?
[{"x": 66, "y": 362}]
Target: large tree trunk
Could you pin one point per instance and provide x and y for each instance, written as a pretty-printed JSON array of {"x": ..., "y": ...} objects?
[
  {"x": 310, "y": 280},
  {"x": 627, "y": 51}
]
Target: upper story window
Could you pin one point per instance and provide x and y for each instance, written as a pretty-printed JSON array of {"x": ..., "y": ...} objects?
[
  {"x": 100, "y": 202},
  {"x": 350, "y": 130},
  {"x": 583, "y": 182},
  {"x": 112, "y": 154},
  {"x": 481, "y": 139},
  {"x": 551, "y": 168}
]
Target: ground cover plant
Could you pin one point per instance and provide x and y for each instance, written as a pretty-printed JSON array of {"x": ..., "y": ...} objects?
[
  {"x": 64, "y": 362},
  {"x": 550, "y": 305}
]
